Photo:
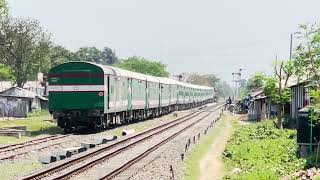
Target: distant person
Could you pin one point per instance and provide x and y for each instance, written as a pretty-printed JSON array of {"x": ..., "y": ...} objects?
[
  {"x": 228, "y": 103},
  {"x": 247, "y": 101}
]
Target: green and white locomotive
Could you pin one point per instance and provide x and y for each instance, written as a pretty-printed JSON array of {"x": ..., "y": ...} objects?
[{"x": 98, "y": 96}]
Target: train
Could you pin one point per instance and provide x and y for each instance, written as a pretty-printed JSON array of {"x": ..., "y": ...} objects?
[{"x": 98, "y": 96}]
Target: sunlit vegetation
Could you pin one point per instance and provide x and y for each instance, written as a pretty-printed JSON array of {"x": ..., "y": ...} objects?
[{"x": 261, "y": 151}]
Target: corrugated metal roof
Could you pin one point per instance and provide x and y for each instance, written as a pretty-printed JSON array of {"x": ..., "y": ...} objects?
[
  {"x": 18, "y": 92},
  {"x": 295, "y": 80},
  {"x": 256, "y": 93}
]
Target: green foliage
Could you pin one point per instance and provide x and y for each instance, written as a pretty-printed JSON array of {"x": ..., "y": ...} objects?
[
  {"x": 89, "y": 54},
  {"x": 271, "y": 89},
  {"x": 256, "y": 80},
  {"x": 6, "y": 73},
  {"x": 243, "y": 93},
  {"x": 204, "y": 80},
  {"x": 108, "y": 56},
  {"x": 314, "y": 96},
  {"x": 262, "y": 152},
  {"x": 224, "y": 90},
  {"x": 59, "y": 55},
  {"x": 3, "y": 9},
  {"x": 3, "y": 4},
  {"x": 306, "y": 55},
  {"x": 315, "y": 108},
  {"x": 92, "y": 54},
  {"x": 142, "y": 65}
]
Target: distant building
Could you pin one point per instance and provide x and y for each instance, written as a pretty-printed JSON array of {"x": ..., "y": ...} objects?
[
  {"x": 32, "y": 86},
  {"x": 260, "y": 106},
  {"x": 300, "y": 98},
  {"x": 18, "y": 102}
]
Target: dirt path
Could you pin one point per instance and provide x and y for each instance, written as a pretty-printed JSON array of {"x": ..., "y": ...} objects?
[{"x": 211, "y": 166}]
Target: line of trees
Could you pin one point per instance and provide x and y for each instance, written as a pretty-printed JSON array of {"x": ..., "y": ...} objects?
[{"x": 223, "y": 89}]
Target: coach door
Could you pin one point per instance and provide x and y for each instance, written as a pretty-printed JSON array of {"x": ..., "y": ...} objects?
[{"x": 129, "y": 94}]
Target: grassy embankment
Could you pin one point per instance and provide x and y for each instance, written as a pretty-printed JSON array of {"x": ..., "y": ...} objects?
[
  {"x": 192, "y": 164},
  {"x": 262, "y": 151},
  {"x": 35, "y": 124}
]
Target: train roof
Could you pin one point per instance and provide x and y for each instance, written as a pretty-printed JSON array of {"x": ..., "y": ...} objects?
[
  {"x": 125, "y": 73},
  {"x": 121, "y": 72}
]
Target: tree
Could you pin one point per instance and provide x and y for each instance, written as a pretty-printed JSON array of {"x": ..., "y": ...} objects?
[
  {"x": 89, "y": 54},
  {"x": 24, "y": 47},
  {"x": 108, "y": 57},
  {"x": 6, "y": 73},
  {"x": 256, "y": 81},
  {"x": 276, "y": 87},
  {"x": 224, "y": 90},
  {"x": 306, "y": 56},
  {"x": 243, "y": 88},
  {"x": 204, "y": 80},
  {"x": 142, "y": 65},
  {"x": 3, "y": 9},
  {"x": 59, "y": 55},
  {"x": 92, "y": 54}
]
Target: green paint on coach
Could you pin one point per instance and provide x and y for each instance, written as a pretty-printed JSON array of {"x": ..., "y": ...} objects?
[{"x": 76, "y": 85}]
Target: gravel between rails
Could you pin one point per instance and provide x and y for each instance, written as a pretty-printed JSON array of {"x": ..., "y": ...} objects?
[
  {"x": 75, "y": 140},
  {"x": 122, "y": 158},
  {"x": 157, "y": 164}
]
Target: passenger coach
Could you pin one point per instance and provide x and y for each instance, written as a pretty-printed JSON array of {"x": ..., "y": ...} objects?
[{"x": 97, "y": 96}]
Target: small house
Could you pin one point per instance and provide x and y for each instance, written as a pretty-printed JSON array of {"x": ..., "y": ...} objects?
[
  {"x": 300, "y": 98},
  {"x": 18, "y": 102},
  {"x": 260, "y": 106}
]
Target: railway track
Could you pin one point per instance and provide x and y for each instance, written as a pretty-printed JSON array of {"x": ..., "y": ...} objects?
[
  {"x": 11, "y": 151},
  {"x": 81, "y": 163},
  {"x": 23, "y": 148}
]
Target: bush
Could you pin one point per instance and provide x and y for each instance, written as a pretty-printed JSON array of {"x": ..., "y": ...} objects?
[{"x": 262, "y": 152}]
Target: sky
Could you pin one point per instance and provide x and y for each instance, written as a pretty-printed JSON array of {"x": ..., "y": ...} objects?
[{"x": 193, "y": 36}]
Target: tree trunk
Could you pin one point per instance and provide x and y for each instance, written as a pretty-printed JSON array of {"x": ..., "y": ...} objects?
[
  {"x": 20, "y": 83},
  {"x": 279, "y": 120}
]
